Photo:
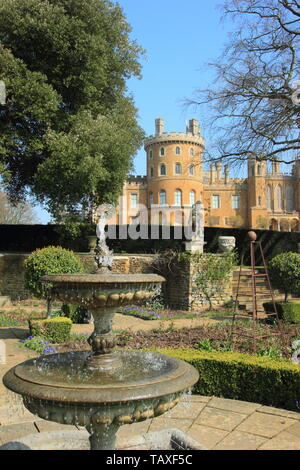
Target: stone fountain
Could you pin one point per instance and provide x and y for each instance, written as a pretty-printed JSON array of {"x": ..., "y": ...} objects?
[{"x": 103, "y": 388}]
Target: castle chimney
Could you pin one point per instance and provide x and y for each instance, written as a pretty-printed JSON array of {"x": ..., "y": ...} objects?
[
  {"x": 194, "y": 126},
  {"x": 159, "y": 126},
  {"x": 219, "y": 170},
  {"x": 212, "y": 173},
  {"x": 226, "y": 173}
]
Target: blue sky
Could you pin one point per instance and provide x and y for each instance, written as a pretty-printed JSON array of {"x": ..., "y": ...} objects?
[{"x": 180, "y": 39}]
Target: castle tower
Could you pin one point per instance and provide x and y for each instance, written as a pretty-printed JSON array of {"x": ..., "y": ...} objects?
[{"x": 174, "y": 167}]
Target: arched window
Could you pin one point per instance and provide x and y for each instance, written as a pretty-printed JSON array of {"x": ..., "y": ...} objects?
[
  {"x": 162, "y": 151},
  {"x": 192, "y": 152},
  {"x": 259, "y": 201},
  {"x": 177, "y": 151},
  {"x": 162, "y": 198},
  {"x": 151, "y": 171},
  {"x": 192, "y": 197},
  {"x": 259, "y": 170},
  {"x": 178, "y": 197},
  {"x": 151, "y": 199},
  {"x": 290, "y": 206},
  {"x": 178, "y": 169},
  {"x": 269, "y": 197},
  {"x": 150, "y": 154},
  {"x": 163, "y": 170},
  {"x": 278, "y": 197},
  {"x": 191, "y": 170}
]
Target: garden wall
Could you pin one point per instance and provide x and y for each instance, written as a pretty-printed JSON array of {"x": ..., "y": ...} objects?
[{"x": 179, "y": 290}]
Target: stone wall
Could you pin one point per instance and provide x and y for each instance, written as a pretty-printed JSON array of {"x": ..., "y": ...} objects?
[
  {"x": 182, "y": 293},
  {"x": 179, "y": 290},
  {"x": 12, "y": 270}
]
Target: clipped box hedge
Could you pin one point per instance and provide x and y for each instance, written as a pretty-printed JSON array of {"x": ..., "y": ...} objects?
[
  {"x": 54, "y": 330},
  {"x": 243, "y": 377},
  {"x": 287, "y": 311}
]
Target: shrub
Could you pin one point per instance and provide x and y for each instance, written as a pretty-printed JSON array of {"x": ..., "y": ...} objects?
[
  {"x": 287, "y": 311},
  {"x": 284, "y": 272},
  {"x": 54, "y": 330},
  {"x": 243, "y": 377},
  {"x": 49, "y": 260}
]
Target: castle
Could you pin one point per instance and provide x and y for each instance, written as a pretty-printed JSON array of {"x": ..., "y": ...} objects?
[{"x": 176, "y": 180}]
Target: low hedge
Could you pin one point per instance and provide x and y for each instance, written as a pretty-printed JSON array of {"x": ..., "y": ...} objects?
[
  {"x": 287, "y": 311},
  {"x": 54, "y": 330},
  {"x": 243, "y": 377}
]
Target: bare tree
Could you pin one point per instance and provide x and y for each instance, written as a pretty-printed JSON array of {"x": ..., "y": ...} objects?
[
  {"x": 20, "y": 213},
  {"x": 256, "y": 96}
]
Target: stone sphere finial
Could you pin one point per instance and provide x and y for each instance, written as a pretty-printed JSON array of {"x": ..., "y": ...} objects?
[{"x": 252, "y": 236}]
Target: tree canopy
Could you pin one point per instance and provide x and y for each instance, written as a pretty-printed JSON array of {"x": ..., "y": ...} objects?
[
  {"x": 21, "y": 213},
  {"x": 255, "y": 100},
  {"x": 69, "y": 127}
]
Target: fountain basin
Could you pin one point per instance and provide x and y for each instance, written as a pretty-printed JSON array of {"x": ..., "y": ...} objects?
[
  {"x": 103, "y": 290},
  {"x": 60, "y": 388}
]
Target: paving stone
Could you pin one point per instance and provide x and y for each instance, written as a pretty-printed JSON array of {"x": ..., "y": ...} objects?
[
  {"x": 196, "y": 398},
  {"x": 220, "y": 419},
  {"x": 237, "y": 406},
  {"x": 264, "y": 424},
  {"x": 279, "y": 412},
  {"x": 237, "y": 440},
  {"x": 13, "y": 415},
  {"x": 169, "y": 423},
  {"x": 127, "y": 443},
  {"x": 129, "y": 430},
  {"x": 294, "y": 429},
  {"x": 187, "y": 409},
  {"x": 15, "y": 431},
  {"x": 207, "y": 437},
  {"x": 284, "y": 441}
]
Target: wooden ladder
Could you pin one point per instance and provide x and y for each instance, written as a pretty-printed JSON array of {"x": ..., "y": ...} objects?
[{"x": 256, "y": 312}]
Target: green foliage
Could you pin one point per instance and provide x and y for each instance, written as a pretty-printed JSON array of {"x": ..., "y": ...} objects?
[
  {"x": 205, "y": 345},
  {"x": 37, "y": 344},
  {"x": 284, "y": 272},
  {"x": 140, "y": 312},
  {"x": 287, "y": 311},
  {"x": 49, "y": 260},
  {"x": 54, "y": 330},
  {"x": 65, "y": 64},
  {"x": 244, "y": 377},
  {"x": 76, "y": 313},
  {"x": 212, "y": 272}
]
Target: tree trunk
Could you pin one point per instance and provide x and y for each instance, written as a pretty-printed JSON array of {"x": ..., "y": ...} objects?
[{"x": 49, "y": 307}]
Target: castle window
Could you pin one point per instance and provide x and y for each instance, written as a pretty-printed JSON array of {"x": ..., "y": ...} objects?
[
  {"x": 133, "y": 201},
  {"x": 269, "y": 196},
  {"x": 192, "y": 152},
  {"x": 191, "y": 170},
  {"x": 216, "y": 201},
  {"x": 162, "y": 152},
  {"x": 150, "y": 154},
  {"x": 177, "y": 151},
  {"x": 151, "y": 199},
  {"x": 259, "y": 170},
  {"x": 178, "y": 169},
  {"x": 192, "y": 197},
  {"x": 163, "y": 170},
  {"x": 259, "y": 201},
  {"x": 235, "y": 201},
  {"x": 290, "y": 198},
  {"x": 162, "y": 198},
  {"x": 178, "y": 197},
  {"x": 152, "y": 172}
]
